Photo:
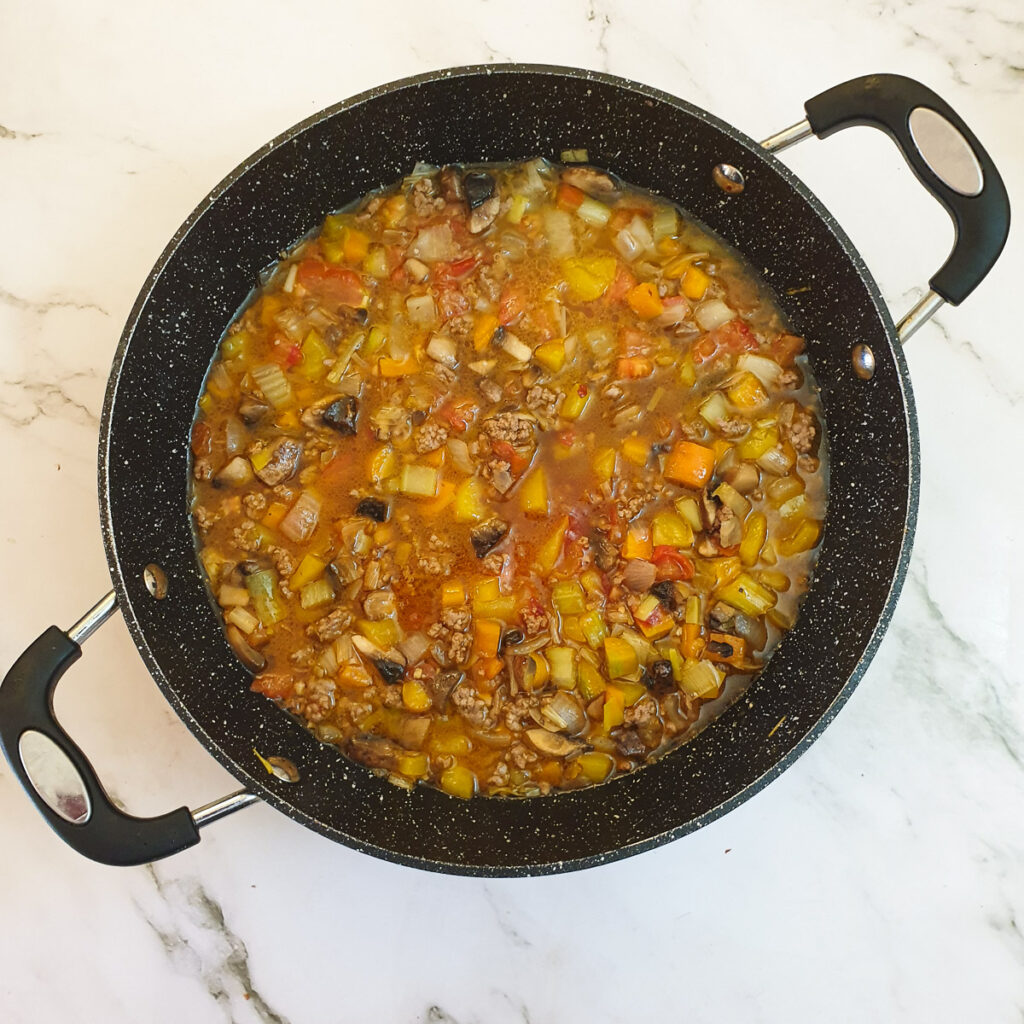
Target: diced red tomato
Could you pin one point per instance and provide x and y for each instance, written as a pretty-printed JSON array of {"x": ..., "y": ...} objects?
[
  {"x": 732, "y": 337},
  {"x": 462, "y": 267},
  {"x": 334, "y": 284},
  {"x": 633, "y": 342},
  {"x": 672, "y": 564},
  {"x": 286, "y": 353},
  {"x": 621, "y": 283},
  {"x": 458, "y": 417},
  {"x": 272, "y": 684},
  {"x": 511, "y": 305},
  {"x": 516, "y": 462}
]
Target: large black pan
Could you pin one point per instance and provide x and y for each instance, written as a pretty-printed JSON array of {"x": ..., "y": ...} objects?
[{"x": 494, "y": 114}]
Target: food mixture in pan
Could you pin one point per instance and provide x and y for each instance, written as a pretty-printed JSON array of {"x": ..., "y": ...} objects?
[{"x": 505, "y": 475}]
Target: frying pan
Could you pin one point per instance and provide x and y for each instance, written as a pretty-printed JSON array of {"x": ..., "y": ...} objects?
[{"x": 500, "y": 113}]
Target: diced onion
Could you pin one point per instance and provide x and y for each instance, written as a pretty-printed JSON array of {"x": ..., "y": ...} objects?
[
  {"x": 459, "y": 451},
  {"x": 712, "y": 314},
  {"x": 442, "y": 350},
  {"x": 433, "y": 243},
  {"x": 413, "y": 647},
  {"x": 235, "y": 435},
  {"x": 558, "y": 228},
  {"x": 302, "y": 518},
  {"x": 237, "y": 473},
  {"x": 676, "y": 311},
  {"x": 483, "y": 366},
  {"x": 766, "y": 370},
  {"x": 513, "y": 245},
  {"x": 715, "y": 409},
  {"x": 421, "y": 309},
  {"x": 626, "y": 245},
  {"x": 642, "y": 233},
  {"x": 639, "y": 575},
  {"x": 776, "y": 461}
]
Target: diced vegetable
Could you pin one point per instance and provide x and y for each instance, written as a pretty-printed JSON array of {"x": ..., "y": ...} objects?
[
  {"x": 665, "y": 223},
  {"x": 302, "y": 518},
  {"x": 315, "y": 355},
  {"x": 803, "y": 538},
  {"x": 442, "y": 350},
  {"x": 314, "y": 594},
  {"x": 266, "y": 598},
  {"x": 614, "y": 712},
  {"x": 310, "y": 568},
  {"x": 574, "y": 402},
  {"x": 638, "y": 542},
  {"x": 595, "y": 766},
  {"x": 746, "y": 595},
  {"x": 652, "y": 619},
  {"x": 636, "y": 450},
  {"x": 458, "y": 781},
  {"x": 588, "y": 277},
  {"x": 701, "y": 679},
  {"x": 695, "y": 283},
  {"x": 558, "y": 229},
  {"x": 671, "y": 530},
  {"x": 275, "y": 387},
  {"x": 453, "y": 595},
  {"x": 712, "y": 314},
  {"x": 518, "y": 350},
  {"x": 689, "y": 464},
  {"x": 593, "y": 212},
  {"x": 418, "y": 481},
  {"x": 621, "y": 657},
  {"x": 604, "y": 464},
  {"x": 590, "y": 683},
  {"x": 715, "y": 409},
  {"x": 644, "y": 301},
  {"x": 687, "y": 508},
  {"x": 382, "y": 633},
  {"x": 533, "y": 494},
  {"x": 551, "y": 550},
  {"x": 470, "y": 503},
  {"x": 729, "y": 496},
  {"x": 767, "y": 371},
  {"x": 763, "y": 437},
  {"x": 486, "y": 637},
  {"x": 593, "y": 628},
  {"x": 562, "y": 663},
  {"x": 550, "y": 355},
  {"x": 754, "y": 536},
  {"x": 567, "y": 597}
]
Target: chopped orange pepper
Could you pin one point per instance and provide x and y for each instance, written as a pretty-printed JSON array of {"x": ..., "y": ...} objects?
[
  {"x": 638, "y": 542},
  {"x": 689, "y": 464},
  {"x": 453, "y": 595},
  {"x": 487, "y": 668},
  {"x": 727, "y": 648},
  {"x": 277, "y": 511},
  {"x": 614, "y": 707},
  {"x": 486, "y": 637},
  {"x": 397, "y": 367},
  {"x": 644, "y": 301},
  {"x": 483, "y": 331}
]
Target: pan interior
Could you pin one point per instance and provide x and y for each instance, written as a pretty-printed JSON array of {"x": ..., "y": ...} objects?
[{"x": 478, "y": 115}]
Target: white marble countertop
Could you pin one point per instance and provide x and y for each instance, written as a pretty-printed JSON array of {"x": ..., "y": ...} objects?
[{"x": 880, "y": 878}]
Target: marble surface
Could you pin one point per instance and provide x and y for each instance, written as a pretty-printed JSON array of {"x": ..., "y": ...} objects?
[{"x": 880, "y": 878}]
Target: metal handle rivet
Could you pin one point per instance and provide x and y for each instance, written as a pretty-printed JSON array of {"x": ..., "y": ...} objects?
[
  {"x": 156, "y": 581},
  {"x": 728, "y": 178},
  {"x": 863, "y": 361}
]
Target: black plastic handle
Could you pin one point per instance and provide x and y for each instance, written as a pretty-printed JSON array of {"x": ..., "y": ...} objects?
[
  {"x": 982, "y": 221},
  {"x": 107, "y": 835}
]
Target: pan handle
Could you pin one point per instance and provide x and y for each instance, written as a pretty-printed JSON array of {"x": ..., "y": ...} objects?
[
  {"x": 945, "y": 156},
  {"x": 58, "y": 776}
]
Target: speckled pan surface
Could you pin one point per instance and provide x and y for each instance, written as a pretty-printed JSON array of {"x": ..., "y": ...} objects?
[{"x": 508, "y": 112}]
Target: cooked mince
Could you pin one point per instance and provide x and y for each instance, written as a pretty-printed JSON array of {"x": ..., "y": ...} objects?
[{"x": 508, "y": 479}]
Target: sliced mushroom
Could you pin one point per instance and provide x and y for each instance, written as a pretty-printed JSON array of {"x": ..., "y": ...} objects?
[
  {"x": 251, "y": 410},
  {"x": 335, "y": 412},
  {"x": 373, "y": 508},
  {"x": 247, "y": 655},
  {"x": 375, "y": 751},
  {"x": 606, "y": 554},
  {"x": 744, "y": 477},
  {"x": 590, "y": 180},
  {"x": 487, "y": 535},
  {"x": 478, "y": 187},
  {"x": 451, "y": 183},
  {"x": 484, "y": 216},
  {"x": 730, "y": 531},
  {"x": 282, "y": 464},
  {"x": 441, "y": 687},
  {"x": 551, "y": 743}
]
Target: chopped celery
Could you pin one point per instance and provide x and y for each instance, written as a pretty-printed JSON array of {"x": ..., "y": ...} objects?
[
  {"x": 272, "y": 382},
  {"x": 687, "y": 508},
  {"x": 591, "y": 683},
  {"x": 665, "y": 223},
  {"x": 344, "y": 357},
  {"x": 567, "y": 598},
  {"x": 316, "y": 593},
  {"x": 262, "y": 587},
  {"x": 314, "y": 355},
  {"x": 593, "y": 212},
  {"x": 746, "y": 595},
  {"x": 235, "y": 346},
  {"x": 562, "y": 662},
  {"x": 593, "y": 628}
]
